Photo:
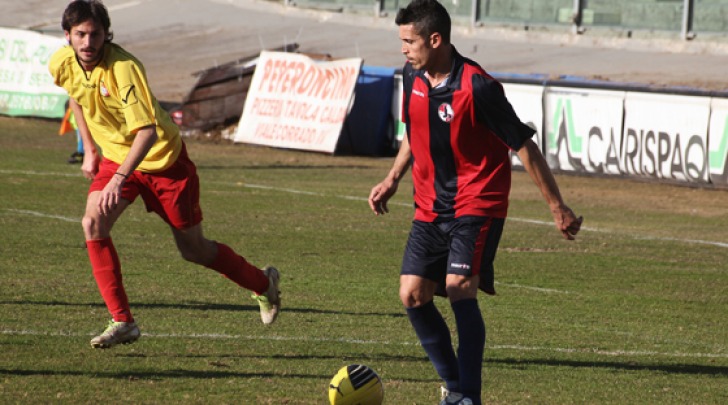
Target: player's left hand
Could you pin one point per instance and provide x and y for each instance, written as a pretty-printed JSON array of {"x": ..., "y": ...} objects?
[{"x": 566, "y": 221}]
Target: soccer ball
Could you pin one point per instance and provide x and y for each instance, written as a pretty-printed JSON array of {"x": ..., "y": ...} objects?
[{"x": 356, "y": 385}]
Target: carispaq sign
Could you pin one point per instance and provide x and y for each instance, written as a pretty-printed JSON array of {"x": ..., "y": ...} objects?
[
  {"x": 583, "y": 129},
  {"x": 295, "y": 102},
  {"x": 26, "y": 86},
  {"x": 665, "y": 137}
]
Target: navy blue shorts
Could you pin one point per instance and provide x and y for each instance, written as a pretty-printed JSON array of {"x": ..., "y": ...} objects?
[{"x": 465, "y": 246}]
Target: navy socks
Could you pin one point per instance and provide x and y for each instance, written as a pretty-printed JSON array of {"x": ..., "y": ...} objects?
[
  {"x": 434, "y": 336},
  {"x": 462, "y": 376},
  {"x": 471, "y": 336}
]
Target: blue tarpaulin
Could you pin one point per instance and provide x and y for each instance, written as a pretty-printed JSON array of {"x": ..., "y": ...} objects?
[{"x": 369, "y": 128}]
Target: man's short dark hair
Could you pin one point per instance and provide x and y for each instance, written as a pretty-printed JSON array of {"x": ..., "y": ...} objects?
[
  {"x": 427, "y": 17},
  {"x": 80, "y": 11}
]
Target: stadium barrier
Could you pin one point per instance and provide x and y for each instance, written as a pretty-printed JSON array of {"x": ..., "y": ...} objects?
[
  {"x": 26, "y": 87},
  {"x": 593, "y": 127}
]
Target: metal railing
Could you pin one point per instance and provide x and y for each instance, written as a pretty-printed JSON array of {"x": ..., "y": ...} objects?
[{"x": 671, "y": 16}]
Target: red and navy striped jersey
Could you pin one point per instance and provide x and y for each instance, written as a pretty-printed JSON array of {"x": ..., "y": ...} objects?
[{"x": 460, "y": 135}]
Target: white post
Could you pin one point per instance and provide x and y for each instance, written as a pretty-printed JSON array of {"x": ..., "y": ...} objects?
[
  {"x": 475, "y": 13},
  {"x": 687, "y": 20},
  {"x": 576, "y": 16},
  {"x": 379, "y": 8}
]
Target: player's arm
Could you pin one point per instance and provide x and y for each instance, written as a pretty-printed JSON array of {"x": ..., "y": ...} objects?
[
  {"x": 535, "y": 164},
  {"x": 143, "y": 142},
  {"x": 144, "y": 139},
  {"x": 91, "y": 158},
  {"x": 382, "y": 192}
]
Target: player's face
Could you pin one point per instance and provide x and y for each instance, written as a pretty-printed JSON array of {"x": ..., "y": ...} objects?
[
  {"x": 415, "y": 47},
  {"x": 87, "y": 40}
]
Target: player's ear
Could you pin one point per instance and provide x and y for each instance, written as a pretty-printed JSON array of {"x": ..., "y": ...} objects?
[{"x": 435, "y": 40}]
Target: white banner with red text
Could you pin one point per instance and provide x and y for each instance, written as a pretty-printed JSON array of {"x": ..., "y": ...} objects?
[{"x": 295, "y": 102}]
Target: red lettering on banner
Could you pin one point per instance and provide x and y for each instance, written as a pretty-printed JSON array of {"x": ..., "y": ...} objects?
[
  {"x": 267, "y": 107},
  {"x": 289, "y": 134},
  {"x": 296, "y": 78},
  {"x": 333, "y": 115},
  {"x": 301, "y": 110},
  {"x": 267, "y": 73}
]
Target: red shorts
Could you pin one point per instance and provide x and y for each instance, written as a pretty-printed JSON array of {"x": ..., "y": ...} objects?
[{"x": 174, "y": 194}]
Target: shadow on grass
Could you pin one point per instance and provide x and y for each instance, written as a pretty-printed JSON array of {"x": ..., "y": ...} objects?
[
  {"x": 203, "y": 306},
  {"x": 270, "y": 167},
  {"x": 168, "y": 374},
  {"x": 615, "y": 365},
  {"x": 351, "y": 357}
]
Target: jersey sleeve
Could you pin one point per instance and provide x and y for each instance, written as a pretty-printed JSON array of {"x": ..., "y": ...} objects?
[
  {"x": 59, "y": 69},
  {"x": 136, "y": 100},
  {"x": 493, "y": 109}
]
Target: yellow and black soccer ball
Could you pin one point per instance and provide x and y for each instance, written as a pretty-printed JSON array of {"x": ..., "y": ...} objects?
[{"x": 356, "y": 384}]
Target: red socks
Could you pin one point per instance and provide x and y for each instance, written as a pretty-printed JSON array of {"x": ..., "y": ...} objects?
[
  {"x": 236, "y": 268},
  {"x": 107, "y": 272}
]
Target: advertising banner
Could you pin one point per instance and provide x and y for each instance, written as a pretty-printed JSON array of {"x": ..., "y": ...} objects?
[
  {"x": 583, "y": 128},
  {"x": 665, "y": 137},
  {"x": 295, "y": 102},
  {"x": 26, "y": 87},
  {"x": 527, "y": 102},
  {"x": 718, "y": 142}
]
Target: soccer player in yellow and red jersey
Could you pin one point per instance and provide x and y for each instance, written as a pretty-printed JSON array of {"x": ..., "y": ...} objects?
[{"x": 143, "y": 155}]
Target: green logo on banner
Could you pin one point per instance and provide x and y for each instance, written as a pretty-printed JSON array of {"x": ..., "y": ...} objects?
[
  {"x": 563, "y": 121},
  {"x": 717, "y": 158}
]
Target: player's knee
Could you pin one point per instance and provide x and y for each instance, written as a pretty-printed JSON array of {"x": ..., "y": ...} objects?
[
  {"x": 460, "y": 289},
  {"x": 199, "y": 253},
  {"x": 413, "y": 298},
  {"x": 91, "y": 227},
  {"x": 190, "y": 255}
]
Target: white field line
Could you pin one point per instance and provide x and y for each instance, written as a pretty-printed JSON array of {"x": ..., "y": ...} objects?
[
  {"x": 45, "y": 174},
  {"x": 524, "y": 220},
  {"x": 539, "y": 289},
  {"x": 520, "y": 348},
  {"x": 43, "y": 215},
  {"x": 364, "y": 199}
]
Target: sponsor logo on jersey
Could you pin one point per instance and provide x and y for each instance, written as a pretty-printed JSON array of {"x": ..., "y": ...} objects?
[{"x": 128, "y": 94}]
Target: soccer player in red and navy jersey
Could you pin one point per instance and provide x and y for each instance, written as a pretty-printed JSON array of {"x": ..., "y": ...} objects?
[
  {"x": 460, "y": 129},
  {"x": 143, "y": 155}
]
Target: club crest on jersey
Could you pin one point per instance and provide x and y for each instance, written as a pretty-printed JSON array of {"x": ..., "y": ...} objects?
[
  {"x": 445, "y": 112},
  {"x": 102, "y": 89}
]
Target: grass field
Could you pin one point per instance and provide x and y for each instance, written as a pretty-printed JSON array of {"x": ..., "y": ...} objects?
[{"x": 633, "y": 312}]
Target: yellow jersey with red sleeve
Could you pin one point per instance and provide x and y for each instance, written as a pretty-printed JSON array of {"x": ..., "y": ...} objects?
[{"x": 117, "y": 102}]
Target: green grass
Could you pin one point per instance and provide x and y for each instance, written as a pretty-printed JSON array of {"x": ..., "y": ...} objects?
[{"x": 632, "y": 312}]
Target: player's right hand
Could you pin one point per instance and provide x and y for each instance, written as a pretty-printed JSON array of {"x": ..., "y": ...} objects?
[
  {"x": 90, "y": 165},
  {"x": 380, "y": 194}
]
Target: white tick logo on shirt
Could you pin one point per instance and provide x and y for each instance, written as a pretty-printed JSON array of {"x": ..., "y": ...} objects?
[
  {"x": 445, "y": 112},
  {"x": 103, "y": 91}
]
